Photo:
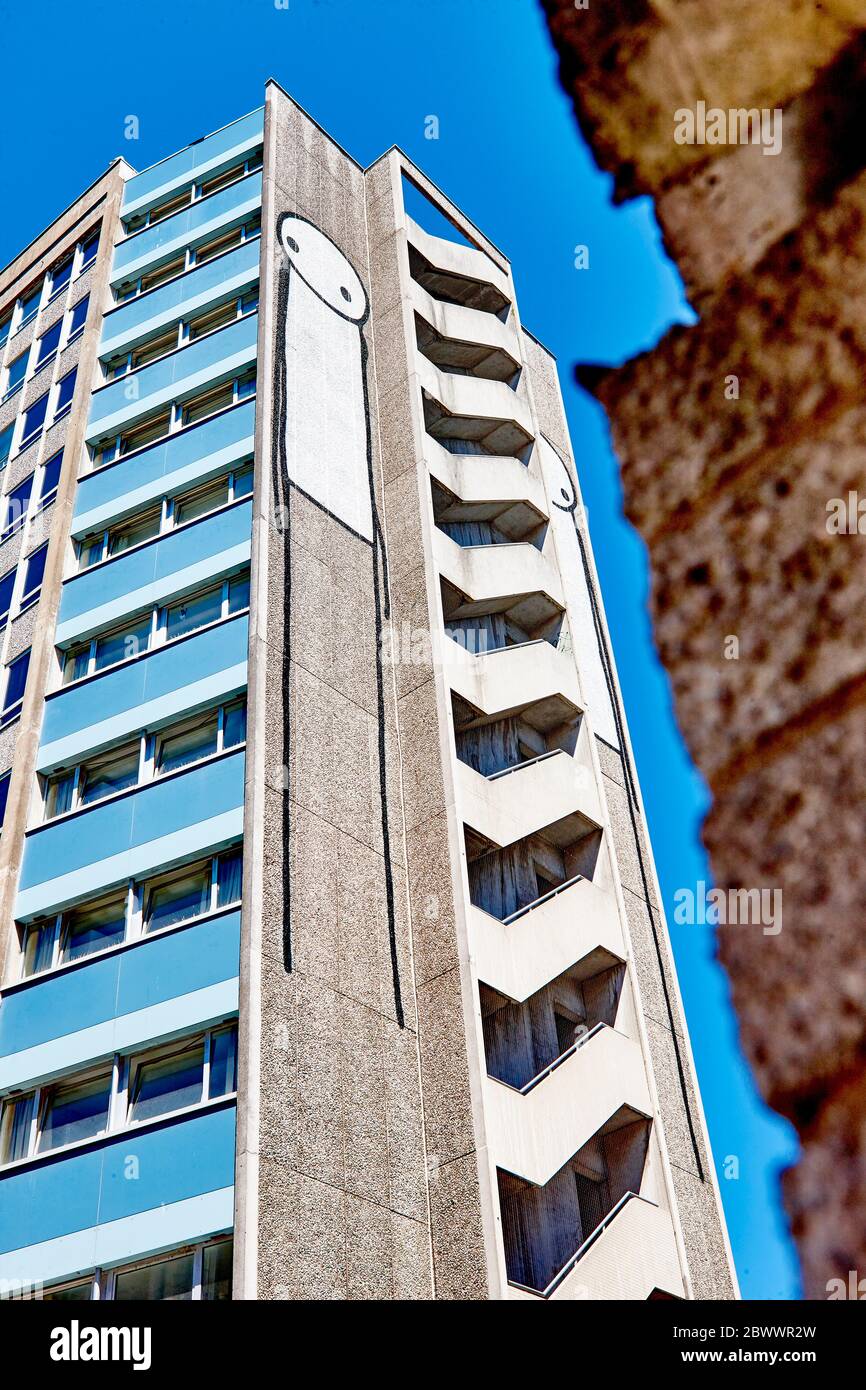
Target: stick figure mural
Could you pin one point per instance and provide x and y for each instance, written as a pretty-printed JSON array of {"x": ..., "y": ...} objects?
[{"x": 323, "y": 449}]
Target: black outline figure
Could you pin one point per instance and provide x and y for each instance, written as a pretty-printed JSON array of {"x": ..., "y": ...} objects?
[{"x": 281, "y": 486}]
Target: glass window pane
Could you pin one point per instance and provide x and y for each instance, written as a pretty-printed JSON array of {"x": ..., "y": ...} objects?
[
  {"x": 200, "y": 501},
  {"x": 134, "y": 532},
  {"x": 165, "y": 1281},
  {"x": 193, "y": 613},
  {"x": 243, "y": 483},
  {"x": 230, "y": 877},
  {"x": 16, "y": 681},
  {"x": 218, "y": 245},
  {"x": 4, "y": 795},
  {"x": 235, "y": 725},
  {"x": 216, "y": 1278},
  {"x": 124, "y": 644},
  {"x": 93, "y": 928},
  {"x": 157, "y": 347},
  {"x": 168, "y": 1083},
  {"x": 79, "y": 315},
  {"x": 228, "y": 176},
  {"x": 170, "y": 206},
  {"x": 35, "y": 417},
  {"x": 5, "y": 325},
  {"x": 17, "y": 502},
  {"x": 114, "y": 774},
  {"x": 177, "y": 899},
  {"x": 213, "y": 319},
  {"x": 177, "y": 750},
  {"x": 166, "y": 271},
  {"x": 15, "y": 1129},
  {"x": 7, "y": 584},
  {"x": 35, "y": 572},
  {"x": 74, "y": 1293},
  {"x": 89, "y": 249},
  {"x": 50, "y": 476},
  {"x": 60, "y": 276},
  {"x": 59, "y": 798},
  {"x": 29, "y": 306},
  {"x": 78, "y": 1110},
  {"x": 77, "y": 662},
  {"x": 208, "y": 404},
  {"x": 15, "y": 372},
  {"x": 65, "y": 391},
  {"x": 223, "y": 1063},
  {"x": 6, "y": 443},
  {"x": 48, "y": 343},
  {"x": 146, "y": 433},
  {"x": 239, "y": 593},
  {"x": 38, "y": 948}
]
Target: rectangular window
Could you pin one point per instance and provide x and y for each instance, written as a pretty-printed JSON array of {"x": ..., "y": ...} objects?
[
  {"x": 50, "y": 479},
  {"x": 90, "y": 929},
  {"x": 65, "y": 392},
  {"x": 166, "y": 271},
  {"x": 187, "y": 745},
  {"x": 4, "y": 795},
  {"x": 16, "y": 1128},
  {"x": 61, "y": 276},
  {"x": 169, "y": 207},
  {"x": 78, "y": 317},
  {"x": 214, "y": 318},
  {"x": 222, "y": 1072},
  {"x": 226, "y": 241},
  {"x": 16, "y": 680},
  {"x": 5, "y": 325},
  {"x": 208, "y": 403},
  {"x": 106, "y": 776},
  {"x": 193, "y": 613},
  {"x": 200, "y": 500},
  {"x": 221, "y": 180},
  {"x": 164, "y": 1281},
  {"x": 34, "y": 419},
  {"x": 122, "y": 644},
  {"x": 146, "y": 433},
  {"x": 48, "y": 344},
  {"x": 88, "y": 250},
  {"x": 230, "y": 869},
  {"x": 239, "y": 593},
  {"x": 7, "y": 585},
  {"x": 17, "y": 502},
  {"x": 29, "y": 307},
  {"x": 33, "y": 575},
  {"x": 38, "y": 948},
  {"x": 74, "y": 1111},
  {"x": 15, "y": 373},
  {"x": 166, "y": 1083},
  {"x": 177, "y": 897},
  {"x": 6, "y": 436}
]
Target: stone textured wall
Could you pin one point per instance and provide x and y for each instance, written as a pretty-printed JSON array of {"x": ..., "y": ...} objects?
[{"x": 734, "y": 435}]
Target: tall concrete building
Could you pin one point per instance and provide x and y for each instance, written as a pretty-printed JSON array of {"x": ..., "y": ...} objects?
[{"x": 333, "y": 958}]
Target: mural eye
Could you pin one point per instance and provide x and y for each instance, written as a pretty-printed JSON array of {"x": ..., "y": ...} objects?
[
  {"x": 564, "y": 493},
  {"x": 345, "y": 293},
  {"x": 292, "y": 244}
]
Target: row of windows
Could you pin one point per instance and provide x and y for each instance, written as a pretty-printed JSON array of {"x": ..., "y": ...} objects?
[
  {"x": 156, "y": 626},
  {"x": 139, "y": 909},
  {"x": 134, "y": 1089},
  {"x": 145, "y": 758},
  {"x": 181, "y": 333},
  {"x": 16, "y": 505},
  {"x": 188, "y": 259},
  {"x": 192, "y": 193},
  {"x": 45, "y": 348},
  {"x": 197, "y": 1272},
  {"x": 165, "y": 515},
  {"x": 48, "y": 408},
  {"x": 168, "y": 419},
  {"x": 26, "y": 308}
]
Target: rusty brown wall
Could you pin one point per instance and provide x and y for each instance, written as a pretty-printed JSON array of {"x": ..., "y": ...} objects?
[{"x": 734, "y": 437}]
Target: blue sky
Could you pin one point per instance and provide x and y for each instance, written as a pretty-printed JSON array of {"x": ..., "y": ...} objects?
[{"x": 509, "y": 154}]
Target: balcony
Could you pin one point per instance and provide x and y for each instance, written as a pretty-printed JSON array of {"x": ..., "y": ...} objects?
[
  {"x": 207, "y": 360},
  {"x": 193, "y": 455},
  {"x": 489, "y": 413},
  {"x": 178, "y": 981},
  {"x": 531, "y": 798},
  {"x": 488, "y": 486},
  {"x": 631, "y": 1256},
  {"x": 153, "y": 573},
  {"x": 68, "y": 1214},
  {"x": 170, "y": 681},
  {"x": 534, "y": 1132},
  {"x": 225, "y": 146},
  {"x": 136, "y": 320},
  {"x": 457, "y": 274},
  {"x": 194, "y": 223},
  {"x": 162, "y": 822},
  {"x": 520, "y": 956}
]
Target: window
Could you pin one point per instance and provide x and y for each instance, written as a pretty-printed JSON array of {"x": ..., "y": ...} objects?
[
  {"x": 78, "y": 317},
  {"x": 89, "y": 249},
  {"x": 119, "y": 538},
  {"x": 74, "y": 1111},
  {"x": 157, "y": 214},
  {"x": 29, "y": 307},
  {"x": 123, "y": 643},
  {"x": 200, "y": 1272},
  {"x": 212, "y": 320},
  {"x": 166, "y": 271},
  {"x": 200, "y": 500},
  {"x": 208, "y": 403},
  {"x": 5, "y": 325},
  {"x": 4, "y": 795},
  {"x": 6, "y": 444},
  {"x": 178, "y": 897},
  {"x": 197, "y": 739},
  {"x": 15, "y": 373},
  {"x": 109, "y": 775},
  {"x": 47, "y": 345},
  {"x": 90, "y": 929},
  {"x": 16, "y": 1128},
  {"x": 168, "y": 1082},
  {"x": 194, "y": 612},
  {"x": 216, "y": 246},
  {"x": 33, "y": 574},
  {"x": 65, "y": 392},
  {"x": 16, "y": 680},
  {"x": 7, "y": 586},
  {"x": 50, "y": 479},
  {"x": 140, "y": 356},
  {"x": 17, "y": 502},
  {"x": 34, "y": 419},
  {"x": 61, "y": 276}
]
